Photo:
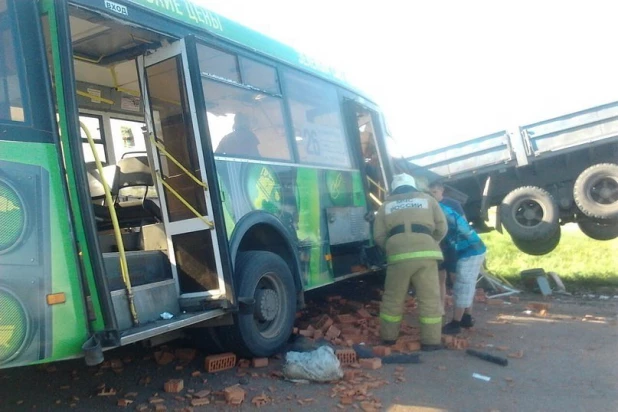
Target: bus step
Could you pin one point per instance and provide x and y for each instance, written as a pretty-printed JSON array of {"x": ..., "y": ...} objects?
[{"x": 160, "y": 327}]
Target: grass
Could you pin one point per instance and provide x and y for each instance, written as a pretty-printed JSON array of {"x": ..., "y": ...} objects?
[{"x": 581, "y": 262}]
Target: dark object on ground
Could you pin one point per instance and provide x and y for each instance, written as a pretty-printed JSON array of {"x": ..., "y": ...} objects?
[
  {"x": 487, "y": 357},
  {"x": 364, "y": 352},
  {"x": 431, "y": 348},
  {"x": 402, "y": 358}
]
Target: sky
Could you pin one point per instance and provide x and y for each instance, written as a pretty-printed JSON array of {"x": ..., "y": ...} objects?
[{"x": 448, "y": 71}]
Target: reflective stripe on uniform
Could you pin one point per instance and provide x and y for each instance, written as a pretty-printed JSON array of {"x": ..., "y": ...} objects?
[
  {"x": 426, "y": 320},
  {"x": 391, "y": 318},
  {"x": 428, "y": 254}
]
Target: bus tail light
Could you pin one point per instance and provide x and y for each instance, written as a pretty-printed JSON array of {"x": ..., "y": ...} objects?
[{"x": 25, "y": 264}]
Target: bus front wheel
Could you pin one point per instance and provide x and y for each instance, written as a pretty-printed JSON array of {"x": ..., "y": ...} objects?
[{"x": 266, "y": 280}]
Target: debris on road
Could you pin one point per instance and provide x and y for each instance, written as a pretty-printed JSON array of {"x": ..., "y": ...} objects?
[
  {"x": 488, "y": 357},
  {"x": 481, "y": 377},
  {"x": 320, "y": 365},
  {"x": 220, "y": 362},
  {"x": 234, "y": 395},
  {"x": 174, "y": 386}
]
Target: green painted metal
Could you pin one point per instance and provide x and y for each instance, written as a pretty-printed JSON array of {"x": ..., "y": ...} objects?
[
  {"x": 48, "y": 8},
  {"x": 69, "y": 323}
]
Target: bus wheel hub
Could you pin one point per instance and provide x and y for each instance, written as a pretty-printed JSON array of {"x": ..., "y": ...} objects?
[{"x": 267, "y": 302}]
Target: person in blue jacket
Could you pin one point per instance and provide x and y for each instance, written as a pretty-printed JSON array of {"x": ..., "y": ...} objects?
[{"x": 468, "y": 250}]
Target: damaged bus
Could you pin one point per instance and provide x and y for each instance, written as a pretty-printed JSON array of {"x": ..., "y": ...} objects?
[{"x": 165, "y": 171}]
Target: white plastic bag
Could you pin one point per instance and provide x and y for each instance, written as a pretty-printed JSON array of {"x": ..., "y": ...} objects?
[{"x": 320, "y": 365}]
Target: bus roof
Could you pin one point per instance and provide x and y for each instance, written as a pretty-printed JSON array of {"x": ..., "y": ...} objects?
[{"x": 188, "y": 12}]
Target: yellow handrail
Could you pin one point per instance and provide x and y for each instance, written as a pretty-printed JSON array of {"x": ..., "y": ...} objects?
[
  {"x": 161, "y": 148},
  {"x": 94, "y": 97},
  {"x": 184, "y": 202},
  {"x": 124, "y": 267}
]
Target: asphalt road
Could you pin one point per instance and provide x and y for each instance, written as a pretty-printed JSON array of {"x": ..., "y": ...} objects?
[{"x": 568, "y": 362}]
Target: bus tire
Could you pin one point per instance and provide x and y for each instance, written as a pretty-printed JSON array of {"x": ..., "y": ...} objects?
[
  {"x": 266, "y": 278},
  {"x": 599, "y": 229},
  {"x": 596, "y": 191},
  {"x": 529, "y": 213},
  {"x": 539, "y": 247}
]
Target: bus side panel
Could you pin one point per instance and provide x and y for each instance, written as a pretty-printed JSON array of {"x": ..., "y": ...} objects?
[
  {"x": 298, "y": 197},
  {"x": 37, "y": 259}
]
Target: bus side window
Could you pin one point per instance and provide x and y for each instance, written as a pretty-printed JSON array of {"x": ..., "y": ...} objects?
[{"x": 11, "y": 103}]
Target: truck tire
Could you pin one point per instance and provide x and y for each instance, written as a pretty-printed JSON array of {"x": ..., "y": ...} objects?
[
  {"x": 599, "y": 229},
  {"x": 529, "y": 213},
  {"x": 596, "y": 191},
  {"x": 265, "y": 277},
  {"x": 539, "y": 247}
]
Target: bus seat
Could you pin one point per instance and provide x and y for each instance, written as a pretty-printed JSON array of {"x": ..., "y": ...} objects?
[{"x": 130, "y": 172}]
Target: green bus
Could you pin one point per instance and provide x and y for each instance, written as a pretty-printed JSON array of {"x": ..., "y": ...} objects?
[{"x": 165, "y": 171}]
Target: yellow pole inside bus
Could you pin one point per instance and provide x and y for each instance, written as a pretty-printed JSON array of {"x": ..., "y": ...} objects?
[{"x": 124, "y": 268}]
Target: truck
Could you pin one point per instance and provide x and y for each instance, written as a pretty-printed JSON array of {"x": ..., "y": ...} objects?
[{"x": 539, "y": 177}]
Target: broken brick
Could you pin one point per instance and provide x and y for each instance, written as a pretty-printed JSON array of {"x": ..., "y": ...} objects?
[
  {"x": 333, "y": 332},
  {"x": 350, "y": 375},
  {"x": 200, "y": 402},
  {"x": 371, "y": 363},
  {"x": 244, "y": 363},
  {"x": 318, "y": 334},
  {"x": 163, "y": 358},
  {"x": 346, "y": 356},
  {"x": 381, "y": 351},
  {"x": 260, "y": 362},
  {"x": 516, "y": 355},
  {"x": 234, "y": 395},
  {"x": 201, "y": 394},
  {"x": 306, "y": 333},
  {"x": 495, "y": 302},
  {"x": 413, "y": 345},
  {"x": 124, "y": 402},
  {"x": 324, "y": 323},
  {"x": 185, "y": 354},
  {"x": 514, "y": 299},
  {"x": 174, "y": 386},
  {"x": 345, "y": 318},
  {"x": 160, "y": 408},
  {"x": 260, "y": 400},
  {"x": 364, "y": 313}
]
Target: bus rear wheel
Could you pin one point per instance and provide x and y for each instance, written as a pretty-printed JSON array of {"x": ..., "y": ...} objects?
[{"x": 266, "y": 280}]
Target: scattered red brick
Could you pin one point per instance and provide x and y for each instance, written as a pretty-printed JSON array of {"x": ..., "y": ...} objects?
[
  {"x": 381, "y": 351},
  {"x": 200, "y": 402},
  {"x": 185, "y": 354},
  {"x": 260, "y": 362},
  {"x": 364, "y": 313},
  {"x": 234, "y": 395},
  {"x": 495, "y": 302},
  {"x": 413, "y": 345},
  {"x": 174, "y": 386},
  {"x": 201, "y": 394},
  {"x": 350, "y": 374},
  {"x": 124, "y": 402},
  {"x": 345, "y": 318},
  {"x": 371, "y": 363},
  {"x": 163, "y": 358},
  {"x": 516, "y": 355},
  {"x": 324, "y": 323},
  {"x": 306, "y": 333},
  {"x": 514, "y": 299},
  {"x": 332, "y": 332},
  {"x": 318, "y": 334},
  {"x": 346, "y": 356},
  {"x": 220, "y": 362},
  {"x": 261, "y": 400},
  {"x": 160, "y": 408},
  {"x": 244, "y": 363}
]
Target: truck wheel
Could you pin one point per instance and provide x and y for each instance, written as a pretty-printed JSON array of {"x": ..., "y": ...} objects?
[
  {"x": 539, "y": 247},
  {"x": 596, "y": 191},
  {"x": 529, "y": 213},
  {"x": 265, "y": 278},
  {"x": 599, "y": 229}
]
